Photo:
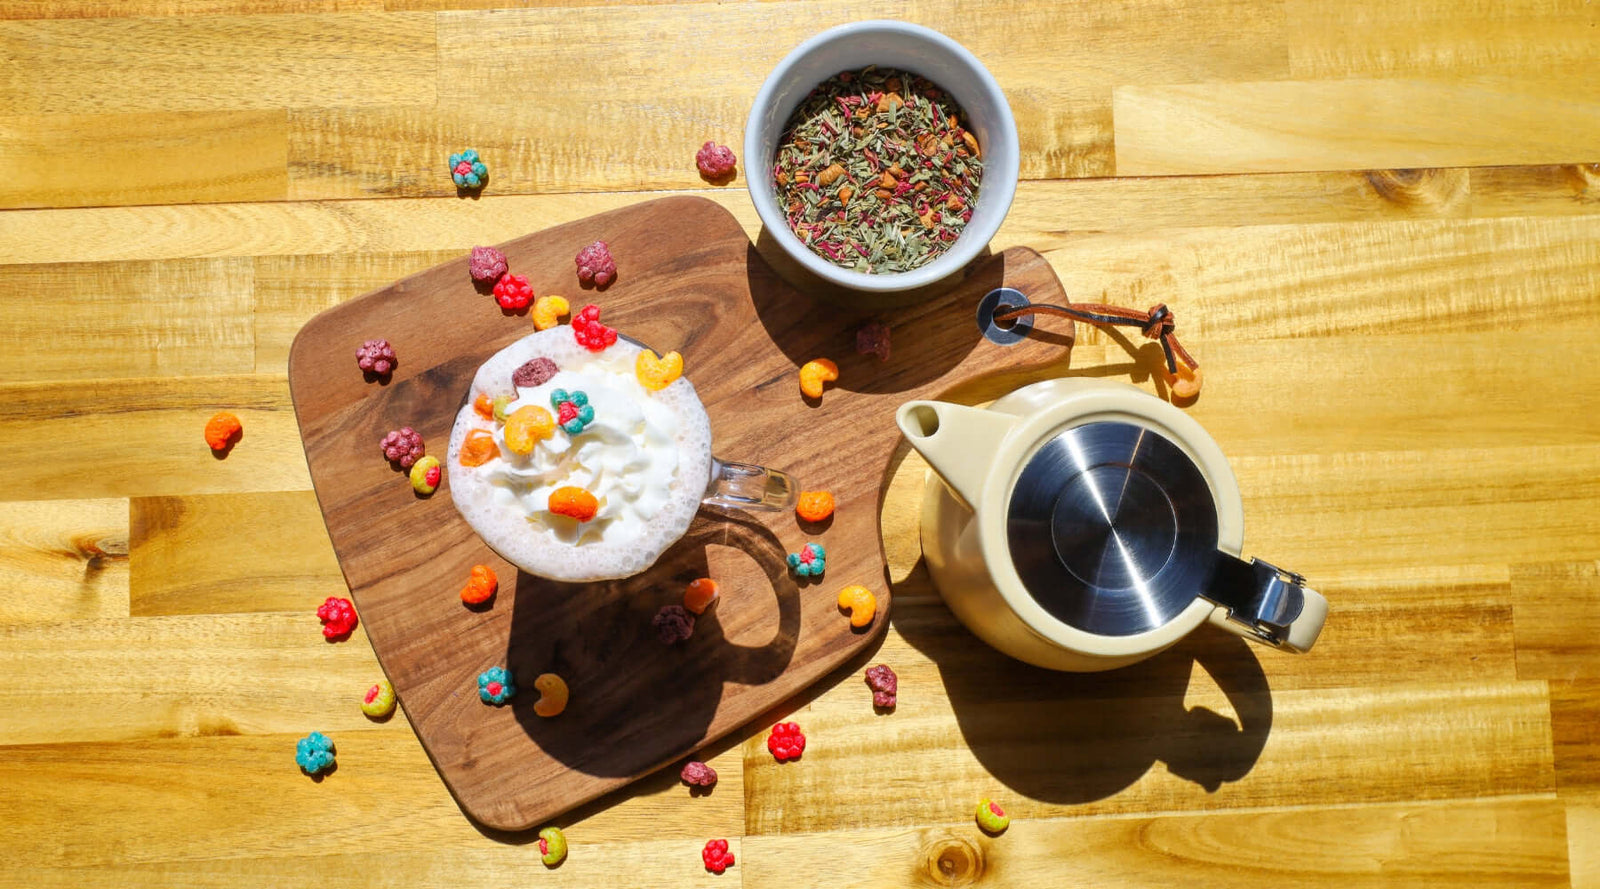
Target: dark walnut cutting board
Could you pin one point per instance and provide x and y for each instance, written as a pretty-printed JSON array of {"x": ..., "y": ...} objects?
[{"x": 688, "y": 280}]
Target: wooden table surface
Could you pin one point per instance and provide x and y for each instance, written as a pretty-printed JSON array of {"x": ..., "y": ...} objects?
[{"x": 1377, "y": 222}]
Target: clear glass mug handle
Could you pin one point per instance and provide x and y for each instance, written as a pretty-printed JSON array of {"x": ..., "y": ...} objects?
[{"x": 747, "y": 486}]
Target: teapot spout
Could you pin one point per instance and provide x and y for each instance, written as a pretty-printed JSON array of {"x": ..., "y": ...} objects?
[{"x": 959, "y": 442}]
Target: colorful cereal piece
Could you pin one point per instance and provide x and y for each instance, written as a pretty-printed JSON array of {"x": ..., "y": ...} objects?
[
  {"x": 1184, "y": 384},
  {"x": 487, "y": 265},
  {"x": 673, "y": 624},
  {"x": 314, "y": 753},
  {"x": 222, "y": 430},
  {"x": 698, "y": 774},
  {"x": 426, "y": 475},
  {"x": 810, "y": 561},
  {"x": 527, "y": 426},
  {"x": 478, "y": 448},
  {"x": 573, "y": 410},
  {"x": 497, "y": 407},
  {"x": 595, "y": 265},
  {"x": 483, "y": 405},
  {"x": 467, "y": 170},
  {"x": 481, "y": 584},
  {"x": 376, "y": 357},
  {"x": 884, "y": 684},
  {"x": 379, "y": 700},
  {"x": 700, "y": 595},
  {"x": 513, "y": 292},
  {"x": 872, "y": 338},
  {"x": 547, "y": 311},
  {"x": 786, "y": 741},
  {"x": 814, "y": 373},
  {"x": 552, "y": 695},
  {"x": 716, "y": 856},
  {"x": 574, "y": 503},
  {"x": 534, "y": 372},
  {"x": 338, "y": 617},
  {"x": 715, "y": 161},
  {"x": 991, "y": 818},
  {"x": 814, "y": 506},
  {"x": 589, "y": 332},
  {"x": 552, "y": 846},
  {"x": 655, "y": 373},
  {"x": 861, "y": 604},
  {"x": 494, "y": 686},
  {"x": 403, "y": 446}
]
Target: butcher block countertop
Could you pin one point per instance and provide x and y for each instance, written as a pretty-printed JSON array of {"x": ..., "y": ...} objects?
[{"x": 1377, "y": 223}]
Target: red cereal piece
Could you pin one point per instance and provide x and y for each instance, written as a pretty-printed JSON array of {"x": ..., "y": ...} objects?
[
  {"x": 595, "y": 265},
  {"x": 376, "y": 357},
  {"x": 786, "y": 742},
  {"x": 338, "y": 617},
  {"x": 589, "y": 332},
  {"x": 872, "y": 338},
  {"x": 536, "y": 372},
  {"x": 884, "y": 684},
  {"x": 487, "y": 264},
  {"x": 673, "y": 624},
  {"x": 222, "y": 430},
  {"x": 698, "y": 774},
  {"x": 716, "y": 856},
  {"x": 513, "y": 292},
  {"x": 715, "y": 161},
  {"x": 403, "y": 446}
]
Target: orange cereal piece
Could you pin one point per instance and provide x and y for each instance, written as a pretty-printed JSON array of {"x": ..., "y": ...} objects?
[
  {"x": 527, "y": 426},
  {"x": 552, "y": 695},
  {"x": 484, "y": 405},
  {"x": 814, "y": 506},
  {"x": 655, "y": 373},
  {"x": 700, "y": 595},
  {"x": 574, "y": 503},
  {"x": 547, "y": 311},
  {"x": 222, "y": 430},
  {"x": 1184, "y": 384},
  {"x": 480, "y": 586},
  {"x": 478, "y": 448},
  {"x": 861, "y": 604},
  {"x": 814, "y": 373}
]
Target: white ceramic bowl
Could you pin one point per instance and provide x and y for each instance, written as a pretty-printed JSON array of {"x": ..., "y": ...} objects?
[{"x": 887, "y": 44}]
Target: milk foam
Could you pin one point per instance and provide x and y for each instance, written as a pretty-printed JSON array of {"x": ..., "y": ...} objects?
[{"x": 646, "y": 457}]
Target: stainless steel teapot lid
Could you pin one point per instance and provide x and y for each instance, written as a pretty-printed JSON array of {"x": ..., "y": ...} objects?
[{"x": 1113, "y": 530}]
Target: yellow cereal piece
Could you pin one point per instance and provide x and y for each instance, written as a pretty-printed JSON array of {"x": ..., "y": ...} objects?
[
  {"x": 859, "y": 601},
  {"x": 426, "y": 475},
  {"x": 655, "y": 373},
  {"x": 552, "y": 695},
  {"x": 527, "y": 426},
  {"x": 547, "y": 311},
  {"x": 814, "y": 373}
]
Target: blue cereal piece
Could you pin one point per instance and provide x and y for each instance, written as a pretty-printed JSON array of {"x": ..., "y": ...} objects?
[
  {"x": 467, "y": 170},
  {"x": 314, "y": 753},
  {"x": 494, "y": 686},
  {"x": 573, "y": 410},
  {"x": 810, "y": 561}
]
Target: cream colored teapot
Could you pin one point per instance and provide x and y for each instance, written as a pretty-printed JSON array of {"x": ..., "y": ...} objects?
[{"x": 1085, "y": 525}]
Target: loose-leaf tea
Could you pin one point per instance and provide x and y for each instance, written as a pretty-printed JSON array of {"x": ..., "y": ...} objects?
[{"x": 876, "y": 171}]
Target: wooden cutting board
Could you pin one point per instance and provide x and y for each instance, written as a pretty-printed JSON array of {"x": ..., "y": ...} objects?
[{"x": 688, "y": 280}]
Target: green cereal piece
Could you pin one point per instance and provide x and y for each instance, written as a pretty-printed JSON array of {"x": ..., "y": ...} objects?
[
  {"x": 552, "y": 846},
  {"x": 990, "y": 818}
]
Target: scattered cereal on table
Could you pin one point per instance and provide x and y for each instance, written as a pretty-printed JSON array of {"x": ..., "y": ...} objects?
[
  {"x": 884, "y": 684},
  {"x": 314, "y": 753},
  {"x": 673, "y": 624},
  {"x": 379, "y": 700},
  {"x": 467, "y": 170},
  {"x": 494, "y": 686},
  {"x": 403, "y": 446},
  {"x": 481, "y": 585},
  {"x": 698, "y": 774},
  {"x": 786, "y": 741},
  {"x": 716, "y": 856},
  {"x": 478, "y": 448},
  {"x": 655, "y": 373},
  {"x": 814, "y": 506},
  {"x": 338, "y": 617},
  {"x": 589, "y": 332},
  {"x": 814, "y": 373},
  {"x": 222, "y": 430},
  {"x": 595, "y": 265},
  {"x": 513, "y": 292},
  {"x": 552, "y": 846},
  {"x": 573, "y": 410},
  {"x": 487, "y": 265},
  {"x": 552, "y": 695},
  {"x": 716, "y": 162},
  {"x": 861, "y": 604},
  {"x": 547, "y": 311},
  {"x": 700, "y": 594},
  {"x": 534, "y": 372},
  {"x": 574, "y": 503},
  {"x": 872, "y": 338},
  {"x": 376, "y": 357},
  {"x": 810, "y": 561},
  {"x": 426, "y": 475},
  {"x": 991, "y": 818},
  {"x": 527, "y": 426}
]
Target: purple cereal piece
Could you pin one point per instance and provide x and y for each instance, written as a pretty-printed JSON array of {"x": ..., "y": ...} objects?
[
  {"x": 715, "y": 161},
  {"x": 885, "y": 685},
  {"x": 872, "y": 338},
  {"x": 595, "y": 265},
  {"x": 403, "y": 446},
  {"x": 487, "y": 264},
  {"x": 376, "y": 356},
  {"x": 673, "y": 624},
  {"x": 534, "y": 373},
  {"x": 698, "y": 774}
]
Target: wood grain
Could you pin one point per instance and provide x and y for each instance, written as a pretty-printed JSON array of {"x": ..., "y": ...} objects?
[
  {"x": 62, "y": 559},
  {"x": 229, "y": 553},
  {"x": 1557, "y": 610},
  {"x": 86, "y": 9}
]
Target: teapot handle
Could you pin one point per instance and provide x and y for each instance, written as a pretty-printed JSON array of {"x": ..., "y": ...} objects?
[{"x": 1266, "y": 604}]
